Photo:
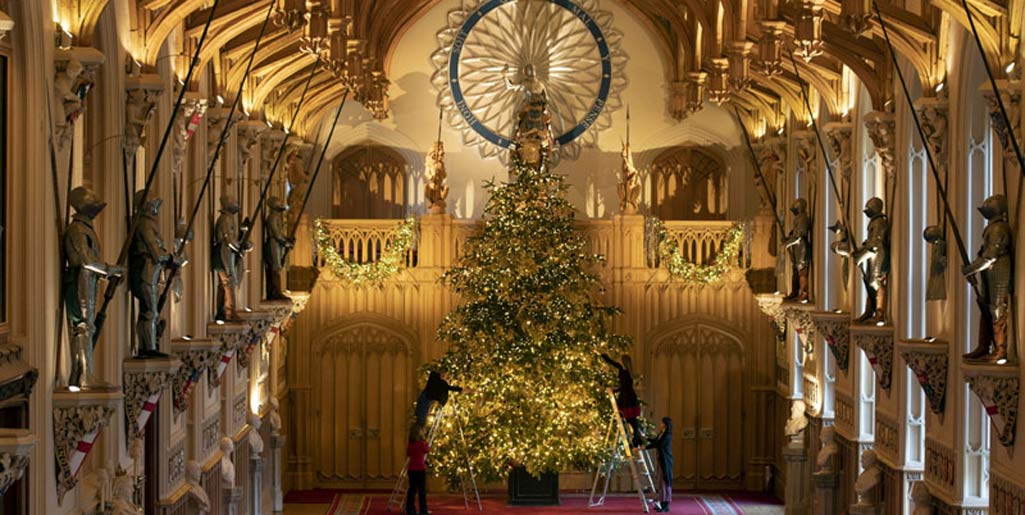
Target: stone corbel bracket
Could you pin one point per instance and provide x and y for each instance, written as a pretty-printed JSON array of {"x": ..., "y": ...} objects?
[
  {"x": 248, "y": 136},
  {"x": 928, "y": 358},
  {"x": 877, "y": 342},
  {"x": 799, "y": 316},
  {"x": 771, "y": 305},
  {"x": 232, "y": 336},
  {"x": 17, "y": 379},
  {"x": 143, "y": 91},
  {"x": 259, "y": 323},
  {"x": 998, "y": 387},
  {"x": 881, "y": 126},
  {"x": 216, "y": 120},
  {"x": 84, "y": 62},
  {"x": 144, "y": 381},
  {"x": 835, "y": 328},
  {"x": 6, "y": 25},
  {"x": 197, "y": 356},
  {"x": 78, "y": 418},
  {"x": 15, "y": 447},
  {"x": 934, "y": 115},
  {"x": 270, "y": 141},
  {"x": 1010, "y": 91}
]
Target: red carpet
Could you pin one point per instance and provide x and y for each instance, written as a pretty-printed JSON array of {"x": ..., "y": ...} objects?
[{"x": 683, "y": 504}]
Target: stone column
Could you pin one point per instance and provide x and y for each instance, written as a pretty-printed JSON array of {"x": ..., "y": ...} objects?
[
  {"x": 826, "y": 498},
  {"x": 255, "y": 484},
  {"x": 231, "y": 498},
  {"x": 277, "y": 443},
  {"x": 796, "y": 457}
]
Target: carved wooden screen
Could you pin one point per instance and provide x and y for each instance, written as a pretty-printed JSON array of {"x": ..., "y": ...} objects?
[
  {"x": 362, "y": 393},
  {"x": 370, "y": 181},
  {"x": 698, "y": 380},
  {"x": 688, "y": 183}
]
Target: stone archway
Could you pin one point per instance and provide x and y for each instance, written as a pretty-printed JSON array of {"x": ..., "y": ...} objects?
[
  {"x": 697, "y": 378},
  {"x": 363, "y": 387}
]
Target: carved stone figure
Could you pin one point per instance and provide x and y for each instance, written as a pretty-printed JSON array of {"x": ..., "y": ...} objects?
[
  {"x": 842, "y": 247},
  {"x": 797, "y": 422},
  {"x": 875, "y": 250},
  {"x": 630, "y": 186},
  {"x": 936, "y": 287},
  {"x": 298, "y": 177},
  {"x": 146, "y": 261},
  {"x": 255, "y": 440},
  {"x": 123, "y": 502},
  {"x": 994, "y": 266},
  {"x": 826, "y": 459},
  {"x": 275, "y": 245},
  {"x": 435, "y": 190},
  {"x": 69, "y": 104},
  {"x": 193, "y": 476},
  {"x": 226, "y": 252},
  {"x": 227, "y": 466},
  {"x": 275, "y": 417},
  {"x": 798, "y": 241},
  {"x": 80, "y": 277},
  {"x": 533, "y": 137},
  {"x": 867, "y": 483},
  {"x": 139, "y": 107}
]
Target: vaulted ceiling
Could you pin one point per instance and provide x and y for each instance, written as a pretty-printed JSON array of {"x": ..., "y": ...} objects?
[{"x": 736, "y": 51}]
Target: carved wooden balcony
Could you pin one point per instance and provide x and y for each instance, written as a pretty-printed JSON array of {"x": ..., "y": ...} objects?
[
  {"x": 928, "y": 358},
  {"x": 834, "y": 326},
  {"x": 998, "y": 387}
]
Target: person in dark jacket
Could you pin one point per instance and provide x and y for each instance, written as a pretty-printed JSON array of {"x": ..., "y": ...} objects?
[
  {"x": 626, "y": 397},
  {"x": 436, "y": 390},
  {"x": 416, "y": 451},
  {"x": 663, "y": 444}
]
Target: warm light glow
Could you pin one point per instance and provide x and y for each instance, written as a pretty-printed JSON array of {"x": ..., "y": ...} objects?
[
  {"x": 219, "y": 322},
  {"x": 254, "y": 399},
  {"x": 74, "y": 389},
  {"x": 220, "y": 100},
  {"x": 1010, "y": 67},
  {"x": 940, "y": 86}
]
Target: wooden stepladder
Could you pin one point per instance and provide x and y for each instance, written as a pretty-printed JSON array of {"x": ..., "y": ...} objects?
[
  {"x": 436, "y": 421},
  {"x": 617, "y": 442}
]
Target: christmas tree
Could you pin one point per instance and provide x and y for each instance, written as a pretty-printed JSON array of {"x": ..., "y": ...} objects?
[{"x": 525, "y": 342}]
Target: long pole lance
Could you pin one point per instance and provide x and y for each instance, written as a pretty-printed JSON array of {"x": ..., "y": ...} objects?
[
  {"x": 59, "y": 220},
  {"x": 212, "y": 165},
  {"x": 758, "y": 168},
  {"x": 247, "y": 235},
  {"x": 940, "y": 186},
  {"x": 316, "y": 170},
  {"x": 113, "y": 282}
]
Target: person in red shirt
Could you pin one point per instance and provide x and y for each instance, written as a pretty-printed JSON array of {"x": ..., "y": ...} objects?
[{"x": 417, "y": 451}]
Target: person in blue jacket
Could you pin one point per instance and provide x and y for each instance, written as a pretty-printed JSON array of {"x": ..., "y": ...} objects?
[{"x": 663, "y": 444}]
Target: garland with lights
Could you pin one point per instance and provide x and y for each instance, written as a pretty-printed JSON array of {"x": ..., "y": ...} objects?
[
  {"x": 683, "y": 270},
  {"x": 391, "y": 261}
]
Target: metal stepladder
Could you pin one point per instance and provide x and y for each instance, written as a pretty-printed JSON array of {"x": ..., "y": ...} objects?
[
  {"x": 637, "y": 459},
  {"x": 436, "y": 421}
]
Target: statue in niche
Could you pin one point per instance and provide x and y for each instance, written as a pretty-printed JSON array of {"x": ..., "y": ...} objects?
[
  {"x": 193, "y": 476},
  {"x": 994, "y": 266},
  {"x": 867, "y": 483},
  {"x": 65, "y": 85},
  {"x": 275, "y": 245},
  {"x": 227, "y": 466},
  {"x": 630, "y": 187},
  {"x": 936, "y": 287},
  {"x": 146, "y": 262},
  {"x": 797, "y": 423},
  {"x": 80, "y": 278},
  {"x": 875, "y": 251},
  {"x": 226, "y": 254},
  {"x": 255, "y": 440},
  {"x": 826, "y": 459},
  {"x": 533, "y": 136},
  {"x": 798, "y": 241},
  {"x": 275, "y": 417},
  {"x": 842, "y": 247},
  {"x": 435, "y": 189}
]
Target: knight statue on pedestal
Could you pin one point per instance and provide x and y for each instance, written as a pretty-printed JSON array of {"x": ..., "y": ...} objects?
[
  {"x": 226, "y": 254},
  {"x": 798, "y": 241},
  {"x": 146, "y": 263},
  {"x": 875, "y": 251},
  {"x": 994, "y": 265},
  {"x": 84, "y": 269},
  {"x": 275, "y": 245}
]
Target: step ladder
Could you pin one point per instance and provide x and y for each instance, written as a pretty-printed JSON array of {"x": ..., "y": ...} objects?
[
  {"x": 435, "y": 421},
  {"x": 620, "y": 450}
]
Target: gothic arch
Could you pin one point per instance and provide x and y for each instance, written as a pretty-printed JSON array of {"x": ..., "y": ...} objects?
[{"x": 387, "y": 325}]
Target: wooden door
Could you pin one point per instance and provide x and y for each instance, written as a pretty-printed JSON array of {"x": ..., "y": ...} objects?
[
  {"x": 362, "y": 394},
  {"x": 698, "y": 380}
]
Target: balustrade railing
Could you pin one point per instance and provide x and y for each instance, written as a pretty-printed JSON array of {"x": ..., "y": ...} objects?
[
  {"x": 364, "y": 241},
  {"x": 698, "y": 242}
]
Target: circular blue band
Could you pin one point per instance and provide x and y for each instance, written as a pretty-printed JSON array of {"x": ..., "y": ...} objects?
[{"x": 502, "y": 141}]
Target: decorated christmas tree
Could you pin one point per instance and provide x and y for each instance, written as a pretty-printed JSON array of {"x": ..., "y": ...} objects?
[{"x": 525, "y": 342}]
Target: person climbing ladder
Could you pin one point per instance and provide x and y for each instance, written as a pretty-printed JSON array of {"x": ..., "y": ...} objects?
[{"x": 626, "y": 397}]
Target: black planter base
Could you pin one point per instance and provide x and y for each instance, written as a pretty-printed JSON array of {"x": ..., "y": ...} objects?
[{"x": 527, "y": 490}]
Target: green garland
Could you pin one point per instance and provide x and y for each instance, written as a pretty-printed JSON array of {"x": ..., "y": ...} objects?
[
  {"x": 681, "y": 269},
  {"x": 391, "y": 261}
]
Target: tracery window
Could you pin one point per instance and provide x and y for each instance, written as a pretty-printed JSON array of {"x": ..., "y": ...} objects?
[
  {"x": 370, "y": 181},
  {"x": 688, "y": 183}
]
